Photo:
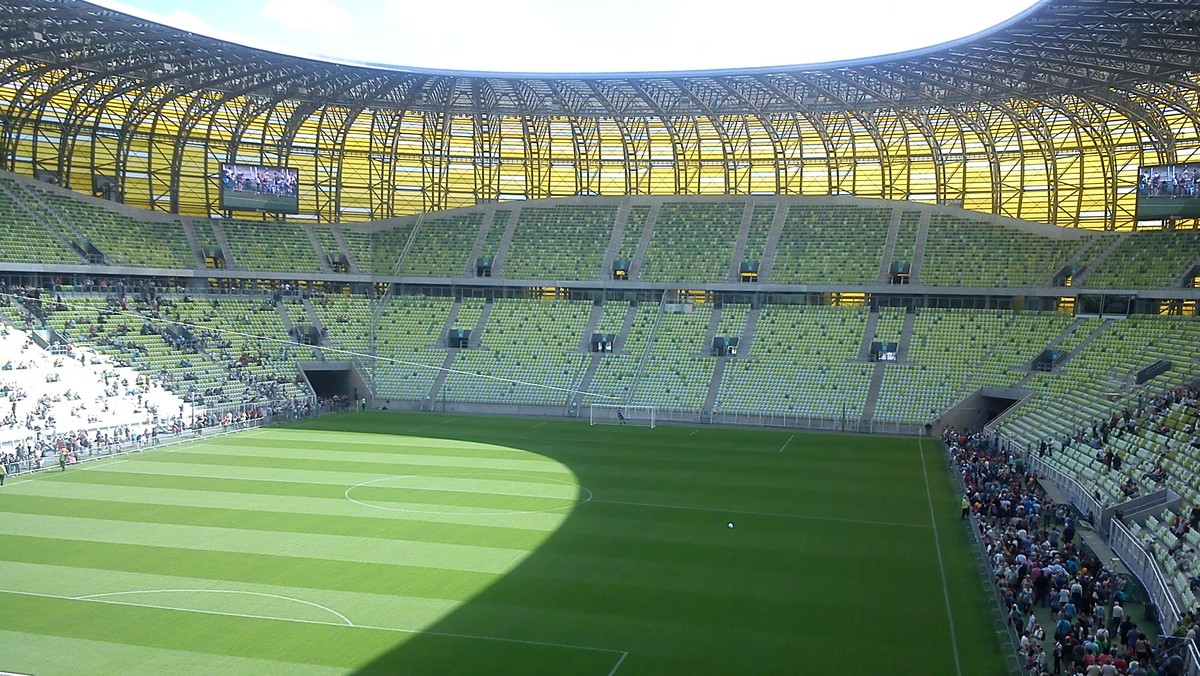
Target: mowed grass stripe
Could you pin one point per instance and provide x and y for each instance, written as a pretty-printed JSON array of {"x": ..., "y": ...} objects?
[
  {"x": 331, "y": 460},
  {"x": 680, "y": 535},
  {"x": 331, "y": 471},
  {"x": 665, "y": 548},
  {"x": 398, "y": 611},
  {"x": 284, "y": 519},
  {"x": 339, "y": 510},
  {"x": 297, "y": 642},
  {"x": 59, "y": 656},
  {"x": 273, "y": 486},
  {"x": 380, "y": 449},
  {"x": 348, "y": 549},
  {"x": 693, "y": 603},
  {"x": 740, "y": 568},
  {"x": 554, "y": 495}
]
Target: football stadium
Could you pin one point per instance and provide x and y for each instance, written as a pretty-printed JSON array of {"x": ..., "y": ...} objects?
[{"x": 882, "y": 366}]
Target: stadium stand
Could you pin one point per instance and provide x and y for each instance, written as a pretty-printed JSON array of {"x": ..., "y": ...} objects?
[
  {"x": 442, "y": 246},
  {"x": 388, "y": 247},
  {"x": 560, "y": 242},
  {"x": 906, "y": 237},
  {"x": 123, "y": 240},
  {"x": 635, "y": 223},
  {"x": 271, "y": 246},
  {"x": 939, "y": 368},
  {"x": 360, "y": 247},
  {"x": 1146, "y": 260},
  {"x": 800, "y": 367},
  {"x": 23, "y": 239},
  {"x": 411, "y": 346},
  {"x": 615, "y": 375},
  {"x": 676, "y": 370},
  {"x": 692, "y": 242},
  {"x": 963, "y": 251},
  {"x": 831, "y": 244},
  {"x": 347, "y": 319},
  {"x": 528, "y": 354},
  {"x": 760, "y": 228}
]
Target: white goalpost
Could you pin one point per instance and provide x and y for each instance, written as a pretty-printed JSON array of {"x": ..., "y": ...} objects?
[{"x": 621, "y": 414}]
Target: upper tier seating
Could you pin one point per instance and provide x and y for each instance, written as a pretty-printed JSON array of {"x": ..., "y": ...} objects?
[
  {"x": 1147, "y": 260},
  {"x": 442, "y": 247},
  {"x": 23, "y": 239},
  {"x": 693, "y": 242},
  {"x": 906, "y": 237},
  {"x": 270, "y": 245},
  {"x": 831, "y": 244},
  {"x": 387, "y": 247},
  {"x": 560, "y": 242},
  {"x": 360, "y": 248},
  {"x": 123, "y": 239},
  {"x": 760, "y": 228},
  {"x": 965, "y": 251}
]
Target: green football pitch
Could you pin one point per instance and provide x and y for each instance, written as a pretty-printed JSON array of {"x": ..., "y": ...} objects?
[{"x": 438, "y": 544}]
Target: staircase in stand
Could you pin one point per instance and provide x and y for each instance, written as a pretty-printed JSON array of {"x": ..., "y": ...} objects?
[
  {"x": 322, "y": 255},
  {"x": 219, "y": 233},
  {"x": 914, "y": 271},
  {"x": 639, "y": 256}
]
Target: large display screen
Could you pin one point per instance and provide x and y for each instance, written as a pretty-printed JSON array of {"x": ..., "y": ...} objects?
[
  {"x": 1168, "y": 191},
  {"x": 250, "y": 187}
]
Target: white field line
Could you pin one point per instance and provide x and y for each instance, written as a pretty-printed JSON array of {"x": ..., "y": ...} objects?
[
  {"x": 937, "y": 543},
  {"x": 618, "y": 664},
  {"x": 785, "y": 444},
  {"x": 497, "y": 639},
  {"x": 425, "y": 427},
  {"x": 331, "y": 611}
]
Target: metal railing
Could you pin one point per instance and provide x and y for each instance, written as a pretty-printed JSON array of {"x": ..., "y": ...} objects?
[
  {"x": 1141, "y": 563},
  {"x": 159, "y": 433},
  {"x": 1126, "y": 546}
]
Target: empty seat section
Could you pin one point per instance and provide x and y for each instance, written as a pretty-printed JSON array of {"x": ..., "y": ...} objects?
[
  {"x": 831, "y": 244},
  {"x": 442, "y": 246},
  {"x": 560, "y": 242},
  {"x": 693, "y": 242},
  {"x": 271, "y": 246},
  {"x": 801, "y": 365},
  {"x": 528, "y": 354}
]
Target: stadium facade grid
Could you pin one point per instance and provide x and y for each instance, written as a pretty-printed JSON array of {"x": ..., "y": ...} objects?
[{"x": 1044, "y": 118}]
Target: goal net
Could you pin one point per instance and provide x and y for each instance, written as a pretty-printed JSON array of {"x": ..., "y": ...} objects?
[{"x": 619, "y": 414}]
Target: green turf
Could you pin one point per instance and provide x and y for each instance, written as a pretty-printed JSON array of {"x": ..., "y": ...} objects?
[{"x": 432, "y": 544}]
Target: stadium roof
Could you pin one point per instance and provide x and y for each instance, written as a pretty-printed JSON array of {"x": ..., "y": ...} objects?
[{"x": 1108, "y": 51}]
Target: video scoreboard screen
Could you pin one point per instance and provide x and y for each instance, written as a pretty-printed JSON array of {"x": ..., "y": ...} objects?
[
  {"x": 252, "y": 187},
  {"x": 1168, "y": 191}
]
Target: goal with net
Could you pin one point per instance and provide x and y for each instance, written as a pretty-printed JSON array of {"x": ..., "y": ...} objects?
[{"x": 620, "y": 414}]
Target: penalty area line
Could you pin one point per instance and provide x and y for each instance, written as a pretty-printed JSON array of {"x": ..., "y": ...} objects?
[
  {"x": 618, "y": 664},
  {"x": 325, "y": 623}
]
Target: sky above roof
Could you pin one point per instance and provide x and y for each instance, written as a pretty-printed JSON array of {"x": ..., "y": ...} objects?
[{"x": 572, "y": 36}]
